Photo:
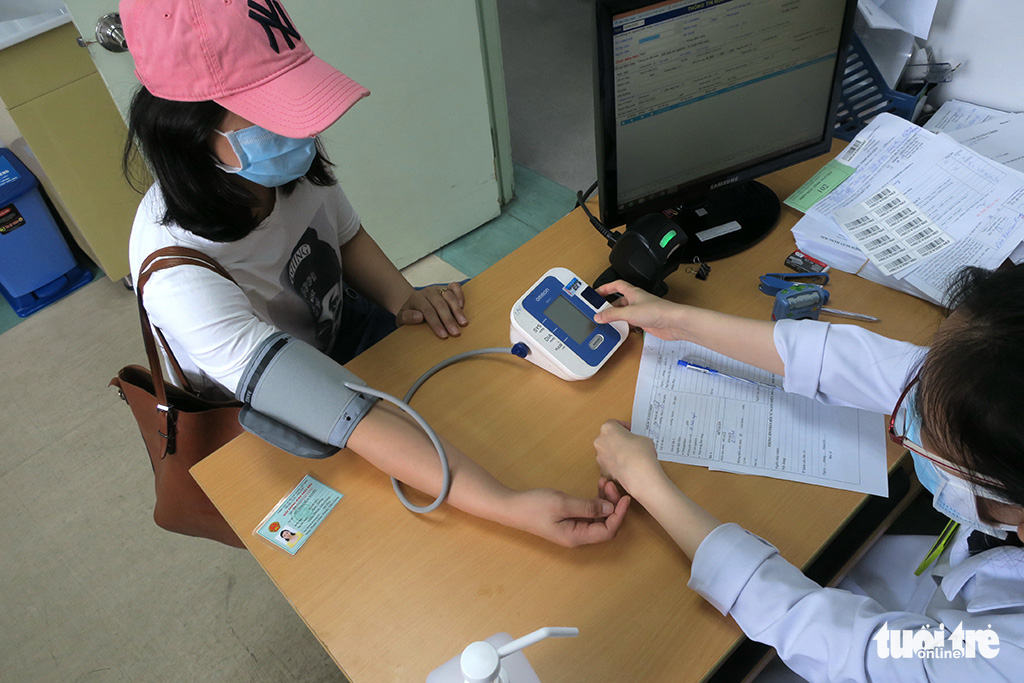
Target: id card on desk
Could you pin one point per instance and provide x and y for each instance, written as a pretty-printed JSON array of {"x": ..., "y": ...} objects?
[{"x": 298, "y": 514}]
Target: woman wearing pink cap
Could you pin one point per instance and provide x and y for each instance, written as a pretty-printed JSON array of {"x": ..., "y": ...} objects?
[{"x": 232, "y": 102}]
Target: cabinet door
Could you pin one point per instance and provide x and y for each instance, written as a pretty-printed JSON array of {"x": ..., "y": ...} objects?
[
  {"x": 420, "y": 157},
  {"x": 84, "y": 167},
  {"x": 60, "y": 106}
]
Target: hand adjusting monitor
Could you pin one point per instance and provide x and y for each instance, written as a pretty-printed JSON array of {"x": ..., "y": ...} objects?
[
  {"x": 695, "y": 99},
  {"x": 555, "y": 319}
]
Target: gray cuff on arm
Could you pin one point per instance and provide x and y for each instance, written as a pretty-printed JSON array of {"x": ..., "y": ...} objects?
[{"x": 297, "y": 398}]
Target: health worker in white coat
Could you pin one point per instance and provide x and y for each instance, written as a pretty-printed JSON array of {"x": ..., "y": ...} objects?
[{"x": 956, "y": 408}]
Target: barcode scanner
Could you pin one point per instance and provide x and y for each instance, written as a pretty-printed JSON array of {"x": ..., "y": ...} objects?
[{"x": 648, "y": 251}]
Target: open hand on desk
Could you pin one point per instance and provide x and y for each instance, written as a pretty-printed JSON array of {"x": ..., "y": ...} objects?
[
  {"x": 568, "y": 520},
  {"x": 640, "y": 309},
  {"x": 627, "y": 458},
  {"x": 440, "y": 307}
]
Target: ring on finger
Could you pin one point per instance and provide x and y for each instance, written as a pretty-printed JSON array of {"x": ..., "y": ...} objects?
[{"x": 442, "y": 290}]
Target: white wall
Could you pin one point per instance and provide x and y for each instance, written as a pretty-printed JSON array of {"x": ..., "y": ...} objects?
[{"x": 987, "y": 37}]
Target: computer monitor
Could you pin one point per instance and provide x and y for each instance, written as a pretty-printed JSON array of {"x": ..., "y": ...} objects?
[{"x": 696, "y": 99}]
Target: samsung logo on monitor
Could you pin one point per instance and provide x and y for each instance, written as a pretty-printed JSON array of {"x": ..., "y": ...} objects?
[{"x": 727, "y": 181}]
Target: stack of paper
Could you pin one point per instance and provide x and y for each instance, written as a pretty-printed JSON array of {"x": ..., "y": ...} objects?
[
  {"x": 955, "y": 115},
  {"x": 747, "y": 427},
  {"x": 1000, "y": 138},
  {"x": 919, "y": 205}
]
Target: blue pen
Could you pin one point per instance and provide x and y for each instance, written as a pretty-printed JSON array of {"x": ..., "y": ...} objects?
[{"x": 711, "y": 371}]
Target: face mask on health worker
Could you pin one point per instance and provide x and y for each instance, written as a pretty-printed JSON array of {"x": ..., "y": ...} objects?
[{"x": 951, "y": 495}]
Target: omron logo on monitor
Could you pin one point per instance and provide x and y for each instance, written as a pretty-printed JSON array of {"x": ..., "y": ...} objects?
[{"x": 694, "y": 100}]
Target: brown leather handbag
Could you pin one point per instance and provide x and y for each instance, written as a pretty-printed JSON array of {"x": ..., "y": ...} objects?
[{"x": 179, "y": 427}]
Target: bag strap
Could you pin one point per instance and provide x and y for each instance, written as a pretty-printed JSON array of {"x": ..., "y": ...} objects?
[
  {"x": 169, "y": 257},
  {"x": 161, "y": 259}
]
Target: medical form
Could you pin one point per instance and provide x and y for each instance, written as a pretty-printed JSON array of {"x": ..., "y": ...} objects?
[{"x": 719, "y": 423}]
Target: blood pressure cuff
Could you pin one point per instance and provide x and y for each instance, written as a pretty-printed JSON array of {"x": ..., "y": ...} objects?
[{"x": 296, "y": 399}]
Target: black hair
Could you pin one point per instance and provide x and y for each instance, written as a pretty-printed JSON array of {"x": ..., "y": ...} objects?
[
  {"x": 173, "y": 138},
  {"x": 972, "y": 380}
]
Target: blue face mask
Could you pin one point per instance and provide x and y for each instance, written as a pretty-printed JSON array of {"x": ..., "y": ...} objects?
[
  {"x": 269, "y": 159},
  {"x": 925, "y": 469},
  {"x": 952, "y": 496}
]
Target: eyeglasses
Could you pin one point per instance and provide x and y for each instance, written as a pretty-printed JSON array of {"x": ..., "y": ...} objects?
[{"x": 897, "y": 434}]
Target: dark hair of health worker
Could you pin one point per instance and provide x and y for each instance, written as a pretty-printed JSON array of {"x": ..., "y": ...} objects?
[{"x": 972, "y": 379}]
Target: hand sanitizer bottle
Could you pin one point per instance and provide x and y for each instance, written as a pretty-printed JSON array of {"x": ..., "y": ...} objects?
[{"x": 496, "y": 660}]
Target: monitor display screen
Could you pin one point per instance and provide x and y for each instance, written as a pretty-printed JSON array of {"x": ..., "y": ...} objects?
[
  {"x": 702, "y": 89},
  {"x": 570, "y": 319}
]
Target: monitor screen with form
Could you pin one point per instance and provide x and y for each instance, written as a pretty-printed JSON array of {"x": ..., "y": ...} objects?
[{"x": 696, "y": 95}]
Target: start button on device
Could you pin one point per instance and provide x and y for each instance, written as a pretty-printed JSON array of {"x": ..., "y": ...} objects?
[{"x": 596, "y": 341}]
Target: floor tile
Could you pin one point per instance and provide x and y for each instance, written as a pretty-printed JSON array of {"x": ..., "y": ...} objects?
[
  {"x": 538, "y": 203},
  {"x": 431, "y": 270}
]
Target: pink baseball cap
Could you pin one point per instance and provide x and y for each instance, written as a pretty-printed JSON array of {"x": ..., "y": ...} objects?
[{"x": 243, "y": 54}]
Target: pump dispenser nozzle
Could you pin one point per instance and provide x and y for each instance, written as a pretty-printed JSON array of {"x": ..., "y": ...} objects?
[{"x": 481, "y": 661}]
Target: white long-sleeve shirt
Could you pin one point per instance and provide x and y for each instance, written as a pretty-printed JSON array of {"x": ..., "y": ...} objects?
[{"x": 827, "y": 634}]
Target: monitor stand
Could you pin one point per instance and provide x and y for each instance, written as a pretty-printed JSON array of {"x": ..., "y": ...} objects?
[{"x": 728, "y": 220}]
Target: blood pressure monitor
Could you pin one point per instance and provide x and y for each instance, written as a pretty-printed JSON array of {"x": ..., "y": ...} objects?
[{"x": 555, "y": 319}]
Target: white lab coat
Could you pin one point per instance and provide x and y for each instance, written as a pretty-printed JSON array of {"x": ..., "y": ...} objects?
[{"x": 828, "y": 634}]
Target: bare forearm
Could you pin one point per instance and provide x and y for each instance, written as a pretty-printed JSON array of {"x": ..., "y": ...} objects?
[
  {"x": 633, "y": 461},
  {"x": 685, "y": 521},
  {"x": 394, "y": 444},
  {"x": 372, "y": 273},
  {"x": 744, "y": 339}
]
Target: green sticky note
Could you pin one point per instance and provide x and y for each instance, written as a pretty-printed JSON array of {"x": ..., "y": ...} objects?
[{"x": 820, "y": 185}]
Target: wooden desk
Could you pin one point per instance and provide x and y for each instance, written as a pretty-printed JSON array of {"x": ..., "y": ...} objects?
[{"x": 392, "y": 595}]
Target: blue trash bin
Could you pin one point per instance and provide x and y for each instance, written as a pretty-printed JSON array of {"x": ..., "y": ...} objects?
[{"x": 36, "y": 264}]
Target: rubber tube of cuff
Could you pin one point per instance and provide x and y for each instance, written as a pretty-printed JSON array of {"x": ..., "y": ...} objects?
[
  {"x": 446, "y": 473},
  {"x": 450, "y": 361}
]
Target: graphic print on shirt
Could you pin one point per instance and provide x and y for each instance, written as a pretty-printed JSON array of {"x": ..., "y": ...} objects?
[{"x": 314, "y": 272}]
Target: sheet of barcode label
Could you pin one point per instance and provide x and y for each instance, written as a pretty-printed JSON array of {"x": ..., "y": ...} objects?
[{"x": 891, "y": 231}]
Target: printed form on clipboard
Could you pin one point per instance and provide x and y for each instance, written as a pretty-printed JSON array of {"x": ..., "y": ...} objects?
[{"x": 701, "y": 419}]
